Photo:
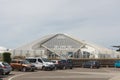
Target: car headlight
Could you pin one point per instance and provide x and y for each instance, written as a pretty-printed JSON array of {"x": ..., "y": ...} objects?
[{"x": 46, "y": 64}]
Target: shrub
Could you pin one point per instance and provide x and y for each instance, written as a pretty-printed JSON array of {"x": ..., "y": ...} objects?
[{"x": 7, "y": 57}]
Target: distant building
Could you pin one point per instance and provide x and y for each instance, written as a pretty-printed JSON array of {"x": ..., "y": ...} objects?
[{"x": 63, "y": 46}]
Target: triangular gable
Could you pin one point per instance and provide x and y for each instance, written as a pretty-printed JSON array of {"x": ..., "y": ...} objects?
[{"x": 61, "y": 43}]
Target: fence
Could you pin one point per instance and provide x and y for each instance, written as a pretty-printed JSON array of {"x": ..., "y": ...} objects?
[{"x": 103, "y": 62}]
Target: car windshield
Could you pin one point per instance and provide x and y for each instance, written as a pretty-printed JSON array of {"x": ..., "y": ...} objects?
[
  {"x": 69, "y": 61},
  {"x": 5, "y": 64},
  {"x": 46, "y": 60},
  {"x": 53, "y": 61},
  {"x": 31, "y": 60},
  {"x": 63, "y": 61},
  {"x": 26, "y": 62},
  {"x": 118, "y": 61}
]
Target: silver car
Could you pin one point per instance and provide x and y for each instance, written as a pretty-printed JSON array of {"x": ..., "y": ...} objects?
[{"x": 5, "y": 68}]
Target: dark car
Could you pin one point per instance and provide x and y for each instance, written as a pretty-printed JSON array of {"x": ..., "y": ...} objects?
[
  {"x": 91, "y": 64},
  {"x": 63, "y": 64},
  {"x": 1, "y": 71},
  {"x": 69, "y": 63}
]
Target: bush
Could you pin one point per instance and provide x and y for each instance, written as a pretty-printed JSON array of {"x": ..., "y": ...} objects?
[{"x": 7, "y": 57}]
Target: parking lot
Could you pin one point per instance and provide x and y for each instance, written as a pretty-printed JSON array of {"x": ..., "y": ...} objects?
[{"x": 74, "y": 74}]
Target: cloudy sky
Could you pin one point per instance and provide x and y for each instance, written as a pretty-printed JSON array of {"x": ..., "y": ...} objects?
[{"x": 96, "y": 21}]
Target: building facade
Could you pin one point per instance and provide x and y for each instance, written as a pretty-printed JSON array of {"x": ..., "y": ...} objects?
[{"x": 63, "y": 46}]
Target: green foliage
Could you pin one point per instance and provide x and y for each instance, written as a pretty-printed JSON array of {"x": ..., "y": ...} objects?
[{"x": 7, "y": 57}]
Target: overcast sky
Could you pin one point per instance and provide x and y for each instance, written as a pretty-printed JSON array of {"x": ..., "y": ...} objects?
[{"x": 96, "y": 21}]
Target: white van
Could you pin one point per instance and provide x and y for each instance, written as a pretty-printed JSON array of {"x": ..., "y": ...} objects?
[{"x": 41, "y": 63}]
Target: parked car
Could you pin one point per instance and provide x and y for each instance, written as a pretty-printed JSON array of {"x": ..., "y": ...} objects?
[
  {"x": 41, "y": 63},
  {"x": 5, "y": 68},
  {"x": 1, "y": 71},
  {"x": 91, "y": 64},
  {"x": 117, "y": 64},
  {"x": 22, "y": 65},
  {"x": 63, "y": 64}
]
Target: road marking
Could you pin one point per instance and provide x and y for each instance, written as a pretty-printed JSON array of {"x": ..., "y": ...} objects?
[
  {"x": 87, "y": 73},
  {"x": 67, "y": 77},
  {"x": 18, "y": 76},
  {"x": 75, "y": 74}
]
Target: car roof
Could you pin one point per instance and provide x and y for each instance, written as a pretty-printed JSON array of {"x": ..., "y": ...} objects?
[
  {"x": 54, "y": 60},
  {"x": 2, "y": 62},
  {"x": 33, "y": 57},
  {"x": 117, "y": 61},
  {"x": 93, "y": 61},
  {"x": 17, "y": 60}
]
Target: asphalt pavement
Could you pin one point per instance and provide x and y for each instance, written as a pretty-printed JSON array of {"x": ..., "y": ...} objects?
[{"x": 74, "y": 74}]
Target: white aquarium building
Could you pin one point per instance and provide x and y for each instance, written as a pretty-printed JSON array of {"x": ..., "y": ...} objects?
[{"x": 63, "y": 46}]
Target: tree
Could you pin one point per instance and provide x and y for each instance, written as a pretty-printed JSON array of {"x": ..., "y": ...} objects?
[{"x": 7, "y": 57}]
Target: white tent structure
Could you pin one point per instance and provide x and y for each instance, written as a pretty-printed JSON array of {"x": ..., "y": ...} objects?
[
  {"x": 63, "y": 46},
  {"x": 3, "y": 49}
]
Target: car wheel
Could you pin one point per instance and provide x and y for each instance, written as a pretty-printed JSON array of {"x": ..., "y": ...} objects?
[
  {"x": 64, "y": 67},
  {"x": 71, "y": 67},
  {"x": 43, "y": 68},
  {"x": 116, "y": 67},
  {"x": 3, "y": 73},
  {"x": 24, "y": 69},
  {"x": 12, "y": 69},
  {"x": 55, "y": 68},
  {"x": 98, "y": 67},
  {"x": 91, "y": 67},
  {"x": 7, "y": 73},
  {"x": 33, "y": 70}
]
